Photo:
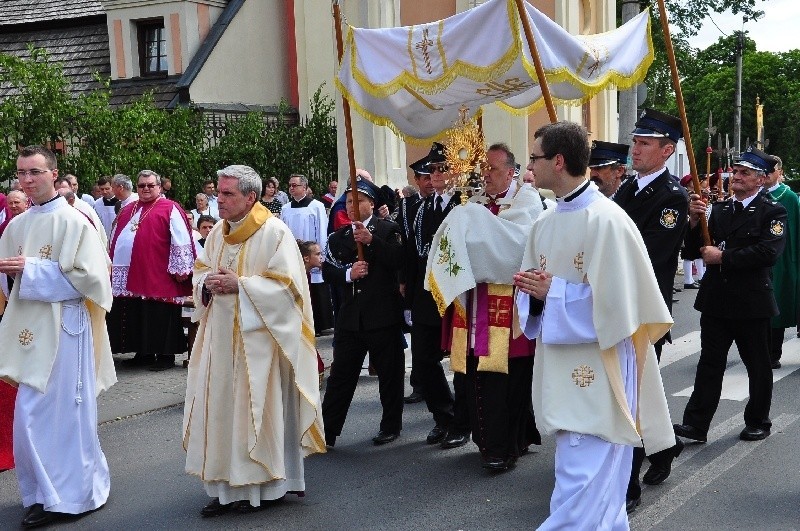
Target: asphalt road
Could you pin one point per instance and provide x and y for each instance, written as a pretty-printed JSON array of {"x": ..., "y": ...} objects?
[{"x": 724, "y": 484}]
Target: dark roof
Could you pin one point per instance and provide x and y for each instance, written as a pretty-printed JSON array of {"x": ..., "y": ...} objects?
[
  {"x": 125, "y": 91},
  {"x": 208, "y": 44},
  {"x": 83, "y": 50},
  {"x": 32, "y": 11}
]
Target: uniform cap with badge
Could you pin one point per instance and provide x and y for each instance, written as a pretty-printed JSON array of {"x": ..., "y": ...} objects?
[
  {"x": 421, "y": 167},
  {"x": 658, "y": 124},
  {"x": 755, "y": 159},
  {"x": 607, "y": 153},
  {"x": 437, "y": 154}
]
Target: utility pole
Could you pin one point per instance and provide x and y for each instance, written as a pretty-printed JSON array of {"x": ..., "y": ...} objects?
[
  {"x": 737, "y": 116},
  {"x": 627, "y": 105}
]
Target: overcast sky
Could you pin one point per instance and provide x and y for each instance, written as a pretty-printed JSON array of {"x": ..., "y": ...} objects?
[{"x": 777, "y": 31}]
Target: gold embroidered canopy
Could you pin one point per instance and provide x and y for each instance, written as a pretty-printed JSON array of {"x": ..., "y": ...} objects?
[{"x": 414, "y": 79}]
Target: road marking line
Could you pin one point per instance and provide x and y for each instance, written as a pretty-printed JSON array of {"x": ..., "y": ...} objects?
[
  {"x": 735, "y": 384},
  {"x": 653, "y": 514},
  {"x": 680, "y": 348}
]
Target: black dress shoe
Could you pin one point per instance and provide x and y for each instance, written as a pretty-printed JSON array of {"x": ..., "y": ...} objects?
[
  {"x": 245, "y": 506},
  {"x": 498, "y": 464},
  {"x": 384, "y": 437},
  {"x": 693, "y": 285},
  {"x": 38, "y": 517},
  {"x": 137, "y": 361},
  {"x": 436, "y": 435},
  {"x": 454, "y": 440},
  {"x": 661, "y": 464},
  {"x": 330, "y": 440},
  {"x": 413, "y": 398},
  {"x": 631, "y": 505},
  {"x": 689, "y": 432},
  {"x": 753, "y": 433},
  {"x": 215, "y": 508},
  {"x": 776, "y": 364}
]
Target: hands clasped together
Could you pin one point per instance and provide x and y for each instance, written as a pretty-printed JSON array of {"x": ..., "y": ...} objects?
[
  {"x": 222, "y": 282},
  {"x": 534, "y": 282}
]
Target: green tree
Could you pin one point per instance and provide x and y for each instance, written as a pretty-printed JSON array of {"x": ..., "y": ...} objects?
[{"x": 35, "y": 113}]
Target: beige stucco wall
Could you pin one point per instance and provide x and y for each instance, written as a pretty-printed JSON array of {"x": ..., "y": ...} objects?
[
  {"x": 248, "y": 64},
  {"x": 123, "y": 15}
]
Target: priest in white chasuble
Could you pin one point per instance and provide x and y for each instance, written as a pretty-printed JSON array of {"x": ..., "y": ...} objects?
[
  {"x": 55, "y": 346},
  {"x": 252, "y": 408},
  {"x": 596, "y": 383}
]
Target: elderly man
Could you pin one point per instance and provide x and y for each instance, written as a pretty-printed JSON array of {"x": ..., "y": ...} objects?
[
  {"x": 106, "y": 204},
  {"x": 152, "y": 254},
  {"x": 16, "y": 203},
  {"x": 658, "y": 204},
  {"x": 736, "y": 299},
  {"x": 587, "y": 388},
  {"x": 122, "y": 188},
  {"x": 63, "y": 187},
  {"x": 55, "y": 347},
  {"x": 607, "y": 166},
  {"x": 204, "y": 208},
  {"x": 494, "y": 227},
  {"x": 308, "y": 221},
  {"x": 785, "y": 270},
  {"x": 248, "y": 423},
  {"x": 370, "y": 316}
]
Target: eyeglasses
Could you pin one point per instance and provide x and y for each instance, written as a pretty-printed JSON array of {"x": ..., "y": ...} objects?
[
  {"x": 441, "y": 168},
  {"x": 534, "y": 158},
  {"x": 33, "y": 173},
  {"x": 293, "y": 185},
  {"x": 142, "y": 186}
]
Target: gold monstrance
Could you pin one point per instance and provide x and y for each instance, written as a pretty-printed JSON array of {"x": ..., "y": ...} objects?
[{"x": 465, "y": 151}]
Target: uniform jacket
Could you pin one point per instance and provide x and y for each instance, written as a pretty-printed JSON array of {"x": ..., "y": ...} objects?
[
  {"x": 660, "y": 212},
  {"x": 374, "y": 301},
  {"x": 741, "y": 287},
  {"x": 405, "y": 214},
  {"x": 420, "y": 302}
]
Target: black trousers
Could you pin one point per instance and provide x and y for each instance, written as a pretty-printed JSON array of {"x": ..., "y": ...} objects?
[
  {"x": 501, "y": 409},
  {"x": 776, "y": 343},
  {"x": 426, "y": 362},
  {"x": 716, "y": 336},
  {"x": 385, "y": 346}
]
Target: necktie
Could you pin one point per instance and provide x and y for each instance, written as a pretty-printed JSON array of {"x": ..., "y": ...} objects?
[
  {"x": 438, "y": 208},
  {"x": 634, "y": 187},
  {"x": 738, "y": 206}
]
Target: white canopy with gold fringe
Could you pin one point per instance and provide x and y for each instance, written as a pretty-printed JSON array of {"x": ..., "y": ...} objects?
[{"x": 414, "y": 79}]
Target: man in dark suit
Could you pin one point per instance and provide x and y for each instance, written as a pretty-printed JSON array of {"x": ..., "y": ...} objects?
[
  {"x": 406, "y": 212},
  {"x": 658, "y": 204},
  {"x": 736, "y": 299},
  {"x": 370, "y": 316},
  {"x": 426, "y": 323}
]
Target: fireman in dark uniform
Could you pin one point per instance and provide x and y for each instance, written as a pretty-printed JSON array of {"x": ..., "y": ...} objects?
[{"x": 370, "y": 316}]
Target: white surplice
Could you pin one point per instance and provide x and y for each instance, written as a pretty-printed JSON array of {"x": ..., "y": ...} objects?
[{"x": 58, "y": 457}]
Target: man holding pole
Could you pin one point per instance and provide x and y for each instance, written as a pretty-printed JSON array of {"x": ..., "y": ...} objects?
[
  {"x": 736, "y": 298},
  {"x": 658, "y": 204}
]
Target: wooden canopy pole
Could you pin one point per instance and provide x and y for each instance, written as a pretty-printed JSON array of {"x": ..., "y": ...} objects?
[
  {"x": 537, "y": 62},
  {"x": 687, "y": 136},
  {"x": 348, "y": 128}
]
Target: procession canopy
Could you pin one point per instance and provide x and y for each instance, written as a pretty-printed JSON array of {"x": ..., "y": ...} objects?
[{"x": 414, "y": 79}]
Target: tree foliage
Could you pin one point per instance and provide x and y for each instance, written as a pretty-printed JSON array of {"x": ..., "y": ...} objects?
[
  {"x": 708, "y": 81},
  {"x": 95, "y": 139}
]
